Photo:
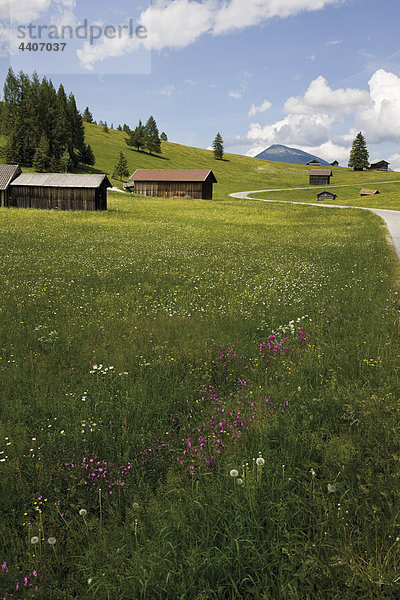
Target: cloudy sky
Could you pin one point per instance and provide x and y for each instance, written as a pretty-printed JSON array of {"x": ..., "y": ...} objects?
[{"x": 305, "y": 73}]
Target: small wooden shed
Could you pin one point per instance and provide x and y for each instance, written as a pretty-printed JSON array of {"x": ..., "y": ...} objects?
[
  {"x": 381, "y": 165},
  {"x": 320, "y": 176},
  {"x": 325, "y": 195},
  {"x": 169, "y": 183},
  {"x": 366, "y": 192},
  {"x": 335, "y": 163},
  {"x": 62, "y": 191},
  {"x": 7, "y": 174},
  {"x": 313, "y": 163}
]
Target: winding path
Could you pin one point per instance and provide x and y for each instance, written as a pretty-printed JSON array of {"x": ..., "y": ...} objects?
[{"x": 391, "y": 217}]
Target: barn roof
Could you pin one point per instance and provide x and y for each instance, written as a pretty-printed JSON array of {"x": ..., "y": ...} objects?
[
  {"x": 320, "y": 172},
  {"x": 314, "y": 161},
  {"x": 366, "y": 192},
  {"x": 182, "y": 175},
  {"x": 62, "y": 180},
  {"x": 7, "y": 173}
]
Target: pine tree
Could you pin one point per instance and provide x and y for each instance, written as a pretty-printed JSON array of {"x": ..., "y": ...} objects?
[
  {"x": 164, "y": 137},
  {"x": 77, "y": 130},
  {"x": 65, "y": 161},
  {"x": 137, "y": 137},
  {"x": 218, "y": 147},
  {"x": 359, "y": 156},
  {"x": 119, "y": 128},
  {"x": 151, "y": 136},
  {"x": 105, "y": 127},
  {"x": 87, "y": 116},
  {"x": 121, "y": 168},
  {"x": 42, "y": 158},
  {"x": 87, "y": 157}
]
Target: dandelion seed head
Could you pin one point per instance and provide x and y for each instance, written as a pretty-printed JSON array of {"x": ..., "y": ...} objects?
[{"x": 234, "y": 473}]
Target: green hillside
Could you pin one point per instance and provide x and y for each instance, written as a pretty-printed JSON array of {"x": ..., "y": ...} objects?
[{"x": 235, "y": 173}]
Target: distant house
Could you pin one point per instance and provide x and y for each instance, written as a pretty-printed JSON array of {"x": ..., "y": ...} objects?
[
  {"x": 325, "y": 195},
  {"x": 366, "y": 192},
  {"x": 320, "y": 176},
  {"x": 334, "y": 163},
  {"x": 313, "y": 163},
  {"x": 381, "y": 165},
  {"x": 62, "y": 191},
  {"x": 170, "y": 183},
  {"x": 7, "y": 174}
]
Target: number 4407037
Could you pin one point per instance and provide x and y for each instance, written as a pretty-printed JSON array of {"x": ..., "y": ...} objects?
[{"x": 42, "y": 47}]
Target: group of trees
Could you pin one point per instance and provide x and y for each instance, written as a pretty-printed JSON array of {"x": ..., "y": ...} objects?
[
  {"x": 43, "y": 126},
  {"x": 146, "y": 136}
]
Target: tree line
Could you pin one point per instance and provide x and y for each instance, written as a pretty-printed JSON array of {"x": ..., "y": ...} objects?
[{"x": 43, "y": 126}]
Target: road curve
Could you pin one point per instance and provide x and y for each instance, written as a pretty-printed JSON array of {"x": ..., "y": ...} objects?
[{"x": 391, "y": 217}]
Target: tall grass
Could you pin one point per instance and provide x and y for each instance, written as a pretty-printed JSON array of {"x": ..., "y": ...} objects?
[{"x": 148, "y": 352}]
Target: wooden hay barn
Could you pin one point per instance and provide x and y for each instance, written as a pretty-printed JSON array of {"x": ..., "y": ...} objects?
[
  {"x": 381, "y": 165},
  {"x": 366, "y": 192},
  {"x": 335, "y": 163},
  {"x": 170, "y": 183},
  {"x": 62, "y": 191},
  {"x": 320, "y": 176},
  {"x": 313, "y": 163},
  {"x": 325, "y": 195},
  {"x": 7, "y": 174}
]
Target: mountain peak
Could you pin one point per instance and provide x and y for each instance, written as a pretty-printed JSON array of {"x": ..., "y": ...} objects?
[{"x": 281, "y": 153}]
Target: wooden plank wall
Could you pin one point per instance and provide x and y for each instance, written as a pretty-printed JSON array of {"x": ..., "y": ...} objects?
[
  {"x": 173, "y": 189},
  {"x": 57, "y": 198},
  {"x": 319, "y": 180}
]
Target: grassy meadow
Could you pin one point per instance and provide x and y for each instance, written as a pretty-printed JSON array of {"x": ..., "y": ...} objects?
[
  {"x": 234, "y": 174},
  {"x": 200, "y": 401},
  {"x": 388, "y": 197}
]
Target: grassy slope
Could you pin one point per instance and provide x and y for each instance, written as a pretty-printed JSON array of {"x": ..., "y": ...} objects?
[{"x": 234, "y": 174}]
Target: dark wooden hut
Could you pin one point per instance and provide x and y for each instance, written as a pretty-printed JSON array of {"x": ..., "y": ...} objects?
[
  {"x": 381, "y": 165},
  {"x": 320, "y": 176},
  {"x": 62, "y": 191},
  {"x": 325, "y": 195},
  {"x": 313, "y": 163},
  {"x": 335, "y": 163},
  {"x": 170, "y": 183},
  {"x": 7, "y": 174}
]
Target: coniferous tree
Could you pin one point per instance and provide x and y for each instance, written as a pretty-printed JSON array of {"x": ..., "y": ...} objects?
[
  {"x": 164, "y": 137},
  {"x": 119, "y": 128},
  {"x": 65, "y": 161},
  {"x": 121, "y": 168},
  {"x": 126, "y": 128},
  {"x": 218, "y": 147},
  {"x": 105, "y": 127},
  {"x": 87, "y": 116},
  {"x": 42, "y": 158},
  {"x": 76, "y": 128},
  {"x": 137, "y": 137},
  {"x": 87, "y": 157},
  {"x": 152, "y": 137},
  {"x": 359, "y": 156}
]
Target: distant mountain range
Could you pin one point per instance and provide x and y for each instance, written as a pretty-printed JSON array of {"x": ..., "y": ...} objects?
[{"x": 279, "y": 153}]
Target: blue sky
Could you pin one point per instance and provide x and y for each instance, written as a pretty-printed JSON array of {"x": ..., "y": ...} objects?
[{"x": 306, "y": 73}]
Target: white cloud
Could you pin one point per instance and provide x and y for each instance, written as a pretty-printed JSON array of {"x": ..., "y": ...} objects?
[
  {"x": 301, "y": 130},
  {"x": 179, "y": 23},
  {"x": 168, "y": 90},
  {"x": 264, "y": 106},
  {"x": 23, "y": 11},
  {"x": 236, "y": 94},
  {"x": 333, "y": 42},
  {"x": 311, "y": 57},
  {"x": 236, "y": 14},
  {"x": 380, "y": 120},
  {"x": 320, "y": 98},
  {"x": 394, "y": 161}
]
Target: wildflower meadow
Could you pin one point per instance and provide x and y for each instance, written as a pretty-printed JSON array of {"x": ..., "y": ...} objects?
[{"x": 199, "y": 401}]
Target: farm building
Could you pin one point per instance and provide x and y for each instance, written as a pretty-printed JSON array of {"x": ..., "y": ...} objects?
[
  {"x": 62, "y": 191},
  {"x": 320, "y": 176},
  {"x": 335, "y": 163},
  {"x": 313, "y": 163},
  {"x": 7, "y": 174},
  {"x": 366, "y": 192},
  {"x": 169, "y": 183},
  {"x": 381, "y": 165},
  {"x": 325, "y": 195}
]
